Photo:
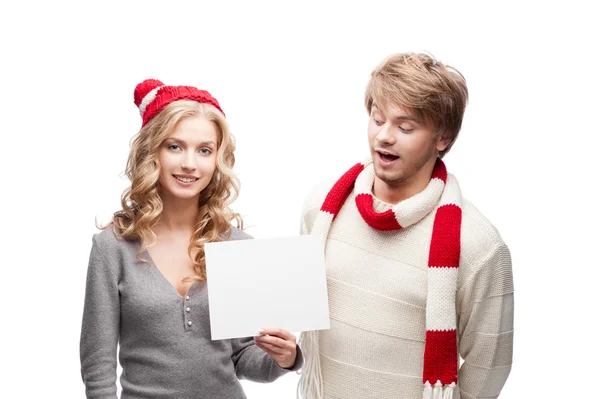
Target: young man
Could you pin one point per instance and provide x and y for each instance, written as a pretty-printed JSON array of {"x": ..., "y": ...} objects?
[{"x": 416, "y": 275}]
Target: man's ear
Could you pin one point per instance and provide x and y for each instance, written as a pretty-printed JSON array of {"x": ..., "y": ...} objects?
[{"x": 442, "y": 142}]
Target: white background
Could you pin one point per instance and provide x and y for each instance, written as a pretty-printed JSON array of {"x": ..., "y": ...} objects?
[{"x": 291, "y": 80}]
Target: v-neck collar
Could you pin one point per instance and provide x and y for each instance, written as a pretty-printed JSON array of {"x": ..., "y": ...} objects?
[{"x": 156, "y": 271}]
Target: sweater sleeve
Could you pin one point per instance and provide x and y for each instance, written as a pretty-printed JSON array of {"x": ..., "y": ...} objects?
[
  {"x": 252, "y": 363},
  {"x": 100, "y": 327},
  {"x": 485, "y": 326}
]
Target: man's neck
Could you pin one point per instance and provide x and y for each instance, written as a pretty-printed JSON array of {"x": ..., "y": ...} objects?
[{"x": 396, "y": 193}]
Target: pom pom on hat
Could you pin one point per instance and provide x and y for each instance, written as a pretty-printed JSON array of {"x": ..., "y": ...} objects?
[{"x": 142, "y": 89}]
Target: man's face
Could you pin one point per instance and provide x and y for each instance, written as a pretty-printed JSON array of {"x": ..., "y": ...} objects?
[{"x": 403, "y": 148}]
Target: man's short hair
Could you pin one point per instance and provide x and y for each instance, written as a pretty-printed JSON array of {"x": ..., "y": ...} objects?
[{"x": 425, "y": 87}]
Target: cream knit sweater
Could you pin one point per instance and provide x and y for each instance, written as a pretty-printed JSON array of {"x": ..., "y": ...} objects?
[{"x": 377, "y": 287}]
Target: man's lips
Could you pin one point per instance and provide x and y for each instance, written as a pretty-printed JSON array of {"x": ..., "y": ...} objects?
[{"x": 387, "y": 156}]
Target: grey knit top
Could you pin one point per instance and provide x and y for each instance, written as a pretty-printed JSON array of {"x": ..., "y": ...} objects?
[{"x": 164, "y": 341}]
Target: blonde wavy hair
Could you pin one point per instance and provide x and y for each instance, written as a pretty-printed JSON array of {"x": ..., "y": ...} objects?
[
  {"x": 141, "y": 202},
  {"x": 428, "y": 88}
]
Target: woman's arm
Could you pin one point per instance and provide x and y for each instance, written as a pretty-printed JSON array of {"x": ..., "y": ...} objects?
[
  {"x": 267, "y": 357},
  {"x": 100, "y": 326}
]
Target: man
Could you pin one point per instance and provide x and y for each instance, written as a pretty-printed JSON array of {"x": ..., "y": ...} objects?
[{"x": 416, "y": 275}]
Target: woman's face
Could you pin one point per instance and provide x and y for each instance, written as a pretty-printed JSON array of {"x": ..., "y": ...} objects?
[{"x": 188, "y": 158}]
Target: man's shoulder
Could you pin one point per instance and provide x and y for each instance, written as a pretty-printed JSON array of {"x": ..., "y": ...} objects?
[
  {"x": 479, "y": 237},
  {"x": 315, "y": 197},
  {"x": 312, "y": 204}
]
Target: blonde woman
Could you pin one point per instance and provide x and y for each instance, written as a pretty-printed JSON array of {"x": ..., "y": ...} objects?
[{"x": 146, "y": 284}]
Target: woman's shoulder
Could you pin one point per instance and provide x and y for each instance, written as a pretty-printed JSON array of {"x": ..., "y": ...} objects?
[
  {"x": 106, "y": 237},
  {"x": 108, "y": 252},
  {"x": 109, "y": 241},
  {"x": 237, "y": 234}
]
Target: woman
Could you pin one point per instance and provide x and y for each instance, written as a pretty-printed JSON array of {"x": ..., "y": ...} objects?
[{"x": 146, "y": 284}]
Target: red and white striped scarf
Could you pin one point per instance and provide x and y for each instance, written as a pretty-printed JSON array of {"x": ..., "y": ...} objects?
[{"x": 440, "y": 367}]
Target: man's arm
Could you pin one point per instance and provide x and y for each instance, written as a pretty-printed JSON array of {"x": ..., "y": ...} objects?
[{"x": 485, "y": 327}]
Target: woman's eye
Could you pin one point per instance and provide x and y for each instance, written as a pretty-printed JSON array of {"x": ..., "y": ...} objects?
[
  {"x": 206, "y": 151},
  {"x": 173, "y": 147}
]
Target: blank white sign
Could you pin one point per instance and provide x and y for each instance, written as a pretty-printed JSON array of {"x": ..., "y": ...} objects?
[{"x": 266, "y": 283}]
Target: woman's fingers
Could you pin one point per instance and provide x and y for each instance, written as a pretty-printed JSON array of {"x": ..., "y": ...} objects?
[
  {"x": 275, "y": 341},
  {"x": 279, "y": 332},
  {"x": 279, "y": 344},
  {"x": 270, "y": 349}
]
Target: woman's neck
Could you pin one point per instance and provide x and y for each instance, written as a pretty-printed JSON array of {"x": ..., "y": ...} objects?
[{"x": 178, "y": 216}]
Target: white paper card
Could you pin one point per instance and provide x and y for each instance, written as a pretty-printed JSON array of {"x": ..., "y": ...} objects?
[{"x": 266, "y": 283}]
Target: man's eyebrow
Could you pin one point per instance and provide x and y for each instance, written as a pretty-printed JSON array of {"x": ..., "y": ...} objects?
[
  {"x": 407, "y": 118},
  {"x": 400, "y": 117}
]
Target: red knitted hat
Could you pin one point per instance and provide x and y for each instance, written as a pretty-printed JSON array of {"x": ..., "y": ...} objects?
[{"x": 152, "y": 96}]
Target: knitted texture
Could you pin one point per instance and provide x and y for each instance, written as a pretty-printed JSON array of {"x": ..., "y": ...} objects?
[
  {"x": 152, "y": 96},
  {"x": 440, "y": 358}
]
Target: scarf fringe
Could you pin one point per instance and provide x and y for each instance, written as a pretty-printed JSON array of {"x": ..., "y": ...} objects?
[
  {"x": 438, "y": 391},
  {"x": 310, "y": 385}
]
